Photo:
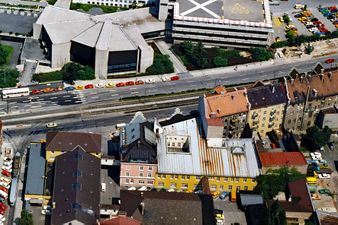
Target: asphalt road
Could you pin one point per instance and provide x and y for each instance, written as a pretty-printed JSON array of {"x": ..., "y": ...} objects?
[{"x": 53, "y": 101}]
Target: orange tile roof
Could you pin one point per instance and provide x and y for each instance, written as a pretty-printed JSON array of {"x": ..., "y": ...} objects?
[
  {"x": 120, "y": 221},
  {"x": 324, "y": 85},
  {"x": 282, "y": 158},
  {"x": 226, "y": 104}
]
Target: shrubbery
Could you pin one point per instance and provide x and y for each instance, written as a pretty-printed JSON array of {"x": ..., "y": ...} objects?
[
  {"x": 161, "y": 65},
  {"x": 5, "y": 54},
  {"x": 8, "y": 77},
  {"x": 69, "y": 73},
  {"x": 87, "y": 7}
]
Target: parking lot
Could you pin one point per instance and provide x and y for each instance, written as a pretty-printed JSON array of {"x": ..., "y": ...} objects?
[
  {"x": 17, "y": 22},
  {"x": 231, "y": 212}
]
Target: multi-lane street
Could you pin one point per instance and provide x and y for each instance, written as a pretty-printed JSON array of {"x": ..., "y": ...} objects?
[{"x": 189, "y": 81}]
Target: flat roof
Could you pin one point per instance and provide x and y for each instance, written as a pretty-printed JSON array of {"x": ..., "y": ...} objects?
[
  {"x": 35, "y": 170},
  {"x": 236, "y": 157},
  {"x": 238, "y": 12}
]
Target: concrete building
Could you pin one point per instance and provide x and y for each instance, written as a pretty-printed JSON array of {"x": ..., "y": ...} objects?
[
  {"x": 184, "y": 158},
  {"x": 233, "y": 24},
  {"x": 307, "y": 95},
  {"x": 267, "y": 106},
  {"x": 328, "y": 117},
  {"x": 35, "y": 175},
  {"x": 224, "y": 114},
  {"x": 110, "y": 43},
  {"x": 118, "y": 3},
  {"x": 58, "y": 143}
]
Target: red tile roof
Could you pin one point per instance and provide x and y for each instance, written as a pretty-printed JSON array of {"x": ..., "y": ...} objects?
[
  {"x": 120, "y": 221},
  {"x": 282, "y": 158}
]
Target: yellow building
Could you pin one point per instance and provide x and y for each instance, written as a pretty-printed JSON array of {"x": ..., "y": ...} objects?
[
  {"x": 184, "y": 158},
  {"x": 267, "y": 107},
  {"x": 58, "y": 143}
]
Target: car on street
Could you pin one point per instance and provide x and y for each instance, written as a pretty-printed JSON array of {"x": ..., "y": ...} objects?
[
  {"x": 316, "y": 155},
  {"x": 70, "y": 88},
  {"x": 121, "y": 84},
  {"x": 329, "y": 60},
  {"x": 150, "y": 81},
  {"x": 51, "y": 125},
  {"x": 330, "y": 145},
  {"x": 35, "y": 92},
  {"x": 175, "y": 78},
  {"x": 130, "y": 83},
  {"x": 4, "y": 189},
  {"x": 5, "y": 185},
  {"x": 109, "y": 85},
  {"x": 79, "y": 87},
  {"x": 324, "y": 176},
  {"x": 6, "y": 173},
  {"x": 7, "y": 163},
  {"x": 99, "y": 85},
  {"x": 89, "y": 86},
  {"x": 45, "y": 212},
  {"x": 139, "y": 82},
  {"x": 5, "y": 179},
  {"x": 219, "y": 214},
  {"x": 223, "y": 195}
]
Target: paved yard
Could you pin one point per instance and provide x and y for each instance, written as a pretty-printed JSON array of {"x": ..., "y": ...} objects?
[{"x": 231, "y": 212}]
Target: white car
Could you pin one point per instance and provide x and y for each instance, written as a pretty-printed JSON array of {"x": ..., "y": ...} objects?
[
  {"x": 5, "y": 179},
  {"x": 7, "y": 169},
  {"x": 7, "y": 163},
  {"x": 324, "y": 176},
  {"x": 316, "y": 155},
  {"x": 46, "y": 207},
  {"x": 5, "y": 185},
  {"x": 45, "y": 212},
  {"x": 164, "y": 78},
  {"x": 6, "y": 159},
  {"x": 99, "y": 85},
  {"x": 150, "y": 81}
]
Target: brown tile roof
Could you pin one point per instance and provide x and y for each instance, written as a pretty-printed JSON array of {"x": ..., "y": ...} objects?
[
  {"x": 267, "y": 95},
  {"x": 67, "y": 141},
  {"x": 320, "y": 85},
  {"x": 282, "y": 159},
  {"x": 121, "y": 220},
  {"x": 76, "y": 191},
  {"x": 226, "y": 104},
  {"x": 301, "y": 200}
]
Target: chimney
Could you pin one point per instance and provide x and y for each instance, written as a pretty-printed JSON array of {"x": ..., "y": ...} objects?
[
  {"x": 330, "y": 75},
  {"x": 218, "y": 110},
  {"x": 212, "y": 115},
  {"x": 315, "y": 92},
  {"x": 292, "y": 81},
  {"x": 142, "y": 206},
  {"x": 273, "y": 89},
  {"x": 322, "y": 76},
  {"x": 232, "y": 97}
]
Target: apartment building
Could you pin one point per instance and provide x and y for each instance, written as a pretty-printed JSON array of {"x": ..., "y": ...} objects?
[
  {"x": 267, "y": 106},
  {"x": 184, "y": 158},
  {"x": 234, "y": 24},
  {"x": 58, "y": 143},
  {"x": 307, "y": 95},
  {"x": 328, "y": 117},
  {"x": 139, "y": 160},
  {"x": 224, "y": 114}
]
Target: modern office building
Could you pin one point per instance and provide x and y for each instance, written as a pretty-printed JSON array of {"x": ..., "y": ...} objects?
[
  {"x": 110, "y": 43},
  {"x": 234, "y": 24},
  {"x": 118, "y": 3}
]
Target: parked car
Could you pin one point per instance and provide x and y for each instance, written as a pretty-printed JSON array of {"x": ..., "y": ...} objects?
[
  {"x": 324, "y": 176},
  {"x": 8, "y": 163},
  {"x": 4, "y": 189},
  {"x": 79, "y": 87},
  {"x": 139, "y": 82},
  {"x": 150, "y": 81},
  {"x": 223, "y": 195},
  {"x": 35, "y": 92},
  {"x": 4, "y": 184},
  {"x": 51, "y": 125},
  {"x": 121, "y": 84},
  {"x": 6, "y": 173},
  {"x": 109, "y": 85},
  {"x": 70, "y": 88},
  {"x": 175, "y": 78},
  {"x": 89, "y": 86},
  {"x": 99, "y": 85},
  {"x": 130, "y": 83}
]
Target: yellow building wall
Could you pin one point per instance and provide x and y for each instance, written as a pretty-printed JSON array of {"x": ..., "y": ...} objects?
[
  {"x": 51, "y": 155},
  {"x": 259, "y": 119},
  {"x": 46, "y": 197},
  {"x": 179, "y": 182}
]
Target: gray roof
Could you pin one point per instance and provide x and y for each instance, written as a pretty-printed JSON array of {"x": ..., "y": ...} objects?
[
  {"x": 119, "y": 31},
  {"x": 35, "y": 170},
  {"x": 251, "y": 199},
  {"x": 76, "y": 191}
]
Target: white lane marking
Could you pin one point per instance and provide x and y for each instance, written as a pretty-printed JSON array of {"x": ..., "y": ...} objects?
[
  {"x": 36, "y": 106},
  {"x": 94, "y": 97},
  {"x": 133, "y": 88},
  {"x": 134, "y": 92},
  {"x": 114, "y": 95},
  {"x": 68, "y": 100},
  {"x": 245, "y": 78}
]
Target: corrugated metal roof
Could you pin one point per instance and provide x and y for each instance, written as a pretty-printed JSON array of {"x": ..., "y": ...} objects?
[
  {"x": 35, "y": 170},
  {"x": 236, "y": 158}
]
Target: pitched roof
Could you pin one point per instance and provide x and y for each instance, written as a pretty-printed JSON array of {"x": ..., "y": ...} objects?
[
  {"x": 301, "y": 200},
  {"x": 76, "y": 191},
  {"x": 67, "y": 141},
  {"x": 282, "y": 158},
  {"x": 162, "y": 207},
  {"x": 121, "y": 220},
  {"x": 268, "y": 95},
  {"x": 318, "y": 86},
  {"x": 229, "y": 103}
]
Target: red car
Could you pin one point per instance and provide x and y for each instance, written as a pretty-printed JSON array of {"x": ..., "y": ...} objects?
[
  {"x": 121, "y": 84},
  {"x": 3, "y": 189},
  {"x": 6, "y": 173},
  {"x": 2, "y": 212},
  {"x": 35, "y": 92},
  {"x": 139, "y": 82},
  {"x": 130, "y": 83},
  {"x": 329, "y": 60},
  {"x": 3, "y": 206},
  {"x": 89, "y": 86},
  {"x": 175, "y": 78}
]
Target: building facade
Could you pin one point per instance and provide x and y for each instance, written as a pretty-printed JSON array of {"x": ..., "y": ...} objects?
[
  {"x": 137, "y": 175},
  {"x": 118, "y": 3},
  {"x": 224, "y": 114},
  {"x": 267, "y": 106},
  {"x": 307, "y": 95},
  {"x": 234, "y": 24},
  {"x": 328, "y": 117},
  {"x": 184, "y": 158}
]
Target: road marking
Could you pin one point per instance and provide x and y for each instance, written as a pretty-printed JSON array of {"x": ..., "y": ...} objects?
[
  {"x": 68, "y": 100},
  {"x": 133, "y": 88},
  {"x": 134, "y": 92},
  {"x": 95, "y": 97},
  {"x": 53, "y": 97},
  {"x": 66, "y": 96},
  {"x": 245, "y": 78},
  {"x": 36, "y": 106},
  {"x": 114, "y": 95}
]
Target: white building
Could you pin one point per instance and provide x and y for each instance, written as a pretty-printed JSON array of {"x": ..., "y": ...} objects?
[{"x": 119, "y": 3}]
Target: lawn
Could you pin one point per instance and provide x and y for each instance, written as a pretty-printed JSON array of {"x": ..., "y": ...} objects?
[
  {"x": 9, "y": 52},
  {"x": 87, "y": 7}
]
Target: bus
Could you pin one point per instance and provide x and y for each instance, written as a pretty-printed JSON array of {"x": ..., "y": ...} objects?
[
  {"x": 12, "y": 192},
  {"x": 14, "y": 92}
]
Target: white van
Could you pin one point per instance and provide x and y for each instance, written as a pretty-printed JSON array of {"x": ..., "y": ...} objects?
[
  {"x": 299, "y": 6},
  {"x": 103, "y": 187}
]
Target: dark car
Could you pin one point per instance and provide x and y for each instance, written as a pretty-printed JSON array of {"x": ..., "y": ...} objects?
[
  {"x": 70, "y": 88},
  {"x": 330, "y": 145}
]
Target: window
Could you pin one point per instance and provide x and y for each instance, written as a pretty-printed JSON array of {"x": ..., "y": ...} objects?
[
  {"x": 184, "y": 185},
  {"x": 163, "y": 176},
  {"x": 141, "y": 174},
  {"x": 230, "y": 187},
  {"x": 198, "y": 177},
  {"x": 150, "y": 182},
  {"x": 217, "y": 178},
  {"x": 244, "y": 179},
  {"x": 226, "y": 179},
  {"x": 221, "y": 187},
  {"x": 253, "y": 180},
  {"x": 187, "y": 177},
  {"x": 183, "y": 177},
  {"x": 172, "y": 185},
  {"x": 141, "y": 168},
  {"x": 237, "y": 179},
  {"x": 141, "y": 181},
  {"x": 160, "y": 184},
  {"x": 127, "y": 174},
  {"x": 171, "y": 177},
  {"x": 176, "y": 176},
  {"x": 231, "y": 179},
  {"x": 127, "y": 167},
  {"x": 150, "y": 168},
  {"x": 149, "y": 175},
  {"x": 213, "y": 186},
  {"x": 127, "y": 181},
  {"x": 245, "y": 188},
  {"x": 131, "y": 181}
]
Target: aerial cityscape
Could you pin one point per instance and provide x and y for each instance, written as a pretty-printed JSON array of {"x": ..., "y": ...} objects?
[{"x": 169, "y": 112}]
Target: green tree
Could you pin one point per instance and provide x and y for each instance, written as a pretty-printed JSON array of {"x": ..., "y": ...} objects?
[
  {"x": 315, "y": 138},
  {"x": 309, "y": 48},
  {"x": 8, "y": 77},
  {"x": 161, "y": 65},
  {"x": 26, "y": 218},
  {"x": 261, "y": 54},
  {"x": 187, "y": 47},
  {"x": 199, "y": 56},
  {"x": 4, "y": 53},
  {"x": 74, "y": 71},
  {"x": 275, "y": 215},
  {"x": 286, "y": 18},
  {"x": 220, "y": 61}
]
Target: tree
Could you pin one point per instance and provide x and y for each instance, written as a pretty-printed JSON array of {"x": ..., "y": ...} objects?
[
  {"x": 220, "y": 61},
  {"x": 286, "y": 18},
  {"x": 260, "y": 54},
  {"x": 199, "y": 56},
  {"x": 315, "y": 138},
  {"x": 309, "y": 48},
  {"x": 4, "y": 52},
  {"x": 161, "y": 65},
  {"x": 26, "y": 218},
  {"x": 8, "y": 77},
  {"x": 74, "y": 71},
  {"x": 275, "y": 215}
]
